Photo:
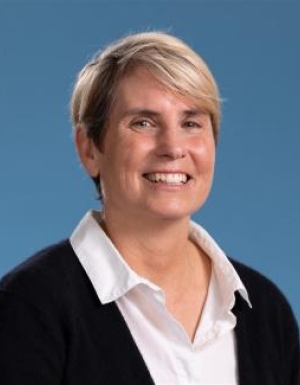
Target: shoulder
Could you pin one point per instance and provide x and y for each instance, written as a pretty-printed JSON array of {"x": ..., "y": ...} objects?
[
  {"x": 263, "y": 292},
  {"x": 48, "y": 276},
  {"x": 260, "y": 288},
  {"x": 270, "y": 307},
  {"x": 46, "y": 263}
]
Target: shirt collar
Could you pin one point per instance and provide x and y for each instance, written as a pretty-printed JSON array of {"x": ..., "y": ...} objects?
[
  {"x": 227, "y": 278},
  {"x": 112, "y": 277}
]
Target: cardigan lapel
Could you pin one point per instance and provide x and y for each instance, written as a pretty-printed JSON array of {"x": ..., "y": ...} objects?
[
  {"x": 117, "y": 338},
  {"x": 246, "y": 368}
]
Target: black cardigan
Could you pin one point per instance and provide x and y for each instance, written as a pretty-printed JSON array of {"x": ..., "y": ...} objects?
[{"x": 54, "y": 330}]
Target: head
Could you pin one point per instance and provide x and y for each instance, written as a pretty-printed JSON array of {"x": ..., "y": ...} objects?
[{"x": 174, "y": 64}]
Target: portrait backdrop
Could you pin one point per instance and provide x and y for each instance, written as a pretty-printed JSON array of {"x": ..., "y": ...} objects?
[{"x": 253, "y": 50}]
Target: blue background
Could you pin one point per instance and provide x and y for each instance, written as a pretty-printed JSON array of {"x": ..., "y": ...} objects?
[{"x": 253, "y": 49}]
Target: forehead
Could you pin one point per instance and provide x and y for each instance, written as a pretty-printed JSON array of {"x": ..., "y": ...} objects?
[
  {"x": 139, "y": 88},
  {"x": 140, "y": 78}
]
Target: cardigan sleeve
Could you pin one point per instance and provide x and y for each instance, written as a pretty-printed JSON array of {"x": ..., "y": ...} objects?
[
  {"x": 267, "y": 334},
  {"x": 31, "y": 351},
  {"x": 290, "y": 336}
]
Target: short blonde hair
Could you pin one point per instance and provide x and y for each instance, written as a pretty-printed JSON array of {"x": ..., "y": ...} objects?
[{"x": 169, "y": 59}]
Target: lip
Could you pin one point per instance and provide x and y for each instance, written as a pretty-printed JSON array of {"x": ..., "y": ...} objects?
[
  {"x": 167, "y": 172},
  {"x": 172, "y": 183}
]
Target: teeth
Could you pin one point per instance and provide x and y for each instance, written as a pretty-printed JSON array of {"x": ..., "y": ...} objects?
[{"x": 167, "y": 178}]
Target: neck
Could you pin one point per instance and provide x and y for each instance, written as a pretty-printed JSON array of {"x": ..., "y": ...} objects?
[
  {"x": 155, "y": 248},
  {"x": 159, "y": 250}
]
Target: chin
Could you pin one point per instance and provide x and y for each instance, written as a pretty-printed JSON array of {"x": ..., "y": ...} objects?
[{"x": 173, "y": 212}]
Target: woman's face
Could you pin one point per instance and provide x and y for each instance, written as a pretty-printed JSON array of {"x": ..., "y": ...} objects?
[{"x": 158, "y": 153}]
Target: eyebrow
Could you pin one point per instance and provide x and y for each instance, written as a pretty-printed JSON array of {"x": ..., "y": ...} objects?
[
  {"x": 140, "y": 111},
  {"x": 191, "y": 112},
  {"x": 194, "y": 112}
]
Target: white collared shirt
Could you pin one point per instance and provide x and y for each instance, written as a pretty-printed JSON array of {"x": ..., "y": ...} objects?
[{"x": 170, "y": 356}]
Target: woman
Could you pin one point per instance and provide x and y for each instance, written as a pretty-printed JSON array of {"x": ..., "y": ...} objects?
[{"x": 140, "y": 294}]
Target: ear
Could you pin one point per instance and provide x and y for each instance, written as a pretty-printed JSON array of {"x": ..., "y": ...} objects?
[{"x": 88, "y": 152}]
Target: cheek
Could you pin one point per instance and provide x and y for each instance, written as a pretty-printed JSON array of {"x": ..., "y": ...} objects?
[
  {"x": 204, "y": 154},
  {"x": 118, "y": 164},
  {"x": 134, "y": 151}
]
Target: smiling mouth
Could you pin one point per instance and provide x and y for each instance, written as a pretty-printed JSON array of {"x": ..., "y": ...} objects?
[{"x": 168, "y": 178}]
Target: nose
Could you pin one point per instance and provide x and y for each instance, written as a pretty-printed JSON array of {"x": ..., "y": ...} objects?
[{"x": 170, "y": 144}]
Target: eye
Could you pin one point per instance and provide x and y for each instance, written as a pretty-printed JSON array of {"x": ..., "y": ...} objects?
[
  {"x": 192, "y": 124},
  {"x": 141, "y": 123}
]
